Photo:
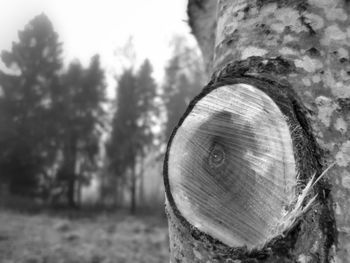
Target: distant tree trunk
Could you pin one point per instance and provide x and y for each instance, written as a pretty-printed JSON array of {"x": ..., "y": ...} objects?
[
  {"x": 120, "y": 192},
  {"x": 115, "y": 191},
  {"x": 70, "y": 173},
  {"x": 133, "y": 190},
  {"x": 294, "y": 55},
  {"x": 71, "y": 192},
  {"x": 78, "y": 193},
  {"x": 141, "y": 177}
]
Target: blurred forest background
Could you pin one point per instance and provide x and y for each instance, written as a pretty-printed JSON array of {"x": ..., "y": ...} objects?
[{"x": 81, "y": 171}]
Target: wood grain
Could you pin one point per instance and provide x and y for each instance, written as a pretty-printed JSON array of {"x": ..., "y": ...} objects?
[{"x": 231, "y": 166}]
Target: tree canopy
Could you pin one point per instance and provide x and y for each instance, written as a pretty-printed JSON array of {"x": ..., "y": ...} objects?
[
  {"x": 26, "y": 135},
  {"x": 53, "y": 116},
  {"x": 50, "y": 116},
  {"x": 132, "y": 122}
]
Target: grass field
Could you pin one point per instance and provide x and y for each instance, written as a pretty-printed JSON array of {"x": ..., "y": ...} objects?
[{"x": 106, "y": 238}]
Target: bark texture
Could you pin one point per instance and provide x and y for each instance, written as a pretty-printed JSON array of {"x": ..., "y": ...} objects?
[
  {"x": 202, "y": 20},
  {"x": 313, "y": 234},
  {"x": 302, "y": 45},
  {"x": 313, "y": 38}
]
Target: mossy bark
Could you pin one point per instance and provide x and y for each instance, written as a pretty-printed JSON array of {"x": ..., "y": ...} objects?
[{"x": 303, "y": 46}]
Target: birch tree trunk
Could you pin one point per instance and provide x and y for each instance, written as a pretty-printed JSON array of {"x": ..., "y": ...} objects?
[{"x": 292, "y": 57}]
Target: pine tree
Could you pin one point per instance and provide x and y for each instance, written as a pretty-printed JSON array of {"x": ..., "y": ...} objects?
[
  {"x": 121, "y": 147},
  {"x": 26, "y": 138},
  {"x": 79, "y": 117},
  {"x": 132, "y": 125}
]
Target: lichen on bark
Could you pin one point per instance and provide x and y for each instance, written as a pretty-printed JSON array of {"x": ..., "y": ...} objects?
[{"x": 311, "y": 39}]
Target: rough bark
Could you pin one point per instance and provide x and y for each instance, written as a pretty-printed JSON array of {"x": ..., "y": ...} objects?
[
  {"x": 202, "y": 20},
  {"x": 302, "y": 47}
]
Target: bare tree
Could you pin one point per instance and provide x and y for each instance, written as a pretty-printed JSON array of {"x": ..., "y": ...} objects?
[{"x": 249, "y": 171}]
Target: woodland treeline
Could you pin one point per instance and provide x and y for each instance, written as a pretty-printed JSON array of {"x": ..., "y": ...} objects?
[{"x": 58, "y": 129}]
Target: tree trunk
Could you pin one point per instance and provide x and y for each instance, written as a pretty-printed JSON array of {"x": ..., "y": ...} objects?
[
  {"x": 133, "y": 190},
  {"x": 273, "y": 118},
  {"x": 141, "y": 177},
  {"x": 78, "y": 192},
  {"x": 120, "y": 192},
  {"x": 70, "y": 163},
  {"x": 71, "y": 191}
]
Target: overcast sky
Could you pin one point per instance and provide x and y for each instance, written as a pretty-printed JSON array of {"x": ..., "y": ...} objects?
[{"x": 87, "y": 27}]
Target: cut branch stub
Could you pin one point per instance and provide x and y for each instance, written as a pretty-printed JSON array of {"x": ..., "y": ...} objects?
[{"x": 230, "y": 166}]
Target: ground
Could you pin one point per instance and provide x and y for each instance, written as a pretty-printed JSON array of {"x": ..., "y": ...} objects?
[{"x": 117, "y": 238}]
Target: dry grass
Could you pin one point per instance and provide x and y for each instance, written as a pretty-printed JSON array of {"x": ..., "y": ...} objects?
[{"x": 103, "y": 239}]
